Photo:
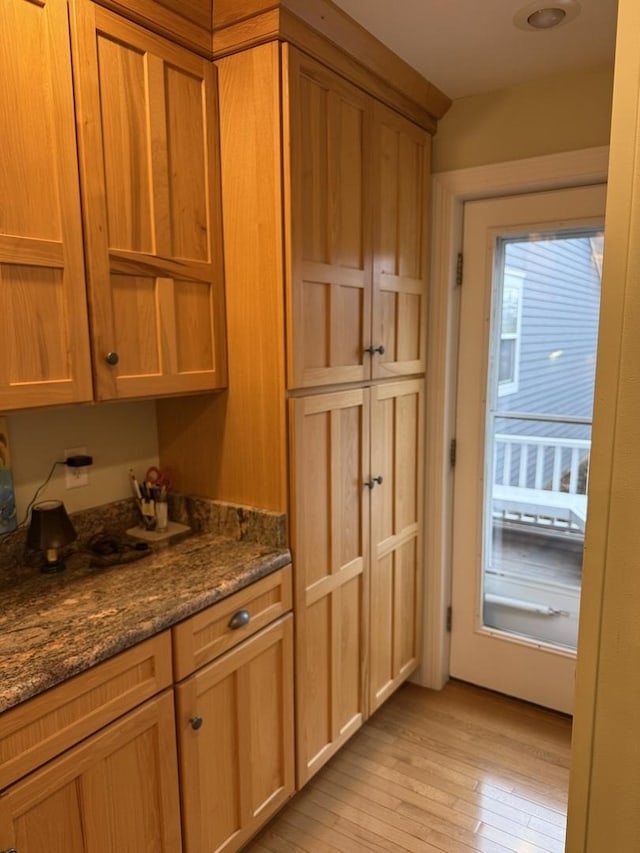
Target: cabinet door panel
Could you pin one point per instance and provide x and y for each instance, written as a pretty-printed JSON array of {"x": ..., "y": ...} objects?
[
  {"x": 151, "y": 192},
  {"x": 44, "y": 351},
  {"x": 237, "y": 768},
  {"x": 396, "y": 541},
  {"x": 116, "y": 791},
  {"x": 401, "y": 174},
  {"x": 330, "y": 527},
  {"x": 329, "y": 292}
]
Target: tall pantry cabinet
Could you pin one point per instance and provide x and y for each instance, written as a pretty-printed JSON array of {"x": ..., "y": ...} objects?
[
  {"x": 357, "y": 289},
  {"x": 324, "y": 190}
]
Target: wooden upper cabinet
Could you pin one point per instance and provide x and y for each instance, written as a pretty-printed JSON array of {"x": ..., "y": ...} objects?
[
  {"x": 401, "y": 153},
  {"x": 358, "y": 216},
  {"x": 149, "y": 165},
  {"x": 329, "y": 307},
  {"x": 44, "y": 347}
]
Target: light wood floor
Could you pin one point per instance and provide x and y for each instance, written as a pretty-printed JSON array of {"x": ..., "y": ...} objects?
[{"x": 454, "y": 771}]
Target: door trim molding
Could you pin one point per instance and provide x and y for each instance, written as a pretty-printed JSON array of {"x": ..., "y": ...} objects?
[{"x": 450, "y": 190}]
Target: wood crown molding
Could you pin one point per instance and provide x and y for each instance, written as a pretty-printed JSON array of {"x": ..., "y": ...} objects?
[{"x": 322, "y": 30}]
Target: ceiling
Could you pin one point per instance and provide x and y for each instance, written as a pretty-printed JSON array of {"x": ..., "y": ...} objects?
[{"x": 466, "y": 47}]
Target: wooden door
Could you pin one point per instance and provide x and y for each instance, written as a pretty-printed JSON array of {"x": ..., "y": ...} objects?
[
  {"x": 44, "y": 346},
  {"x": 150, "y": 182},
  {"x": 401, "y": 154},
  {"x": 118, "y": 790},
  {"x": 327, "y": 211},
  {"x": 235, "y": 737},
  {"x": 330, "y": 453},
  {"x": 396, "y": 535}
]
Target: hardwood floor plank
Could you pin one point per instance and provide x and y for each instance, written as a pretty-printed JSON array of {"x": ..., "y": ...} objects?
[
  {"x": 325, "y": 839},
  {"x": 468, "y": 758},
  {"x": 357, "y": 837},
  {"x": 477, "y": 749},
  {"x": 385, "y": 828},
  {"x": 538, "y": 743},
  {"x": 462, "y": 770}
]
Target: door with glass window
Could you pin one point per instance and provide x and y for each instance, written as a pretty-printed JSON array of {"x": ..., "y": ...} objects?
[{"x": 528, "y": 338}]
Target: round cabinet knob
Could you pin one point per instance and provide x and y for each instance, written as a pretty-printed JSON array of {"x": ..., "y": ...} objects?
[
  {"x": 196, "y": 723},
  {"x": 9, "y": 850},
  {"x": 379, "y": 479},
  {"x": 239, "y": 619},
  {"x": 112, "y": 358}
]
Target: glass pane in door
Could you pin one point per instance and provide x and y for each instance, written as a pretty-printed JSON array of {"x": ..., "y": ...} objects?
[{"x": 546, "y": 298}]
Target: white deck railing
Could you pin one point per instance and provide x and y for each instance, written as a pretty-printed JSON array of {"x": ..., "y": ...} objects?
[{"x": 538, "y": 481}]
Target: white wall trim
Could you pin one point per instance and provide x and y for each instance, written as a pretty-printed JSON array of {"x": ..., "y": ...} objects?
[{"x": 450, "y": 190}]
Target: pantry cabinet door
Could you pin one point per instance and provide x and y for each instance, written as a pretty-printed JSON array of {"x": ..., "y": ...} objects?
[
  {"x": 44, "y": 346},
  {"x": 396, "y": 536},
  {"x": 330, "y": 455},
  {"x": 327, "y": 220},
  {"x": 401, "y": 185},
  {"x": 118, "y": 790},
  {"x": 235, "y": 736},
  {"x": 149, "y": 163}
]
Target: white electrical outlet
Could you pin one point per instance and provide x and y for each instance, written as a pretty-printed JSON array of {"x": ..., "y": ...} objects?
[{"x": 75, "y": 478}]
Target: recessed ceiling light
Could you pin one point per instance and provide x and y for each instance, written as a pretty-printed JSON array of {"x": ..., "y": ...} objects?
[
  {"x": 544, "y": 19},
  {"x": 535, "y": 16}
]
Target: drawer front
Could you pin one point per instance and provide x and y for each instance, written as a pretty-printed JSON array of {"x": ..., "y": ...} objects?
[
  {"x": 45, "y": 726},
  {"x": 203, "y": 637}
]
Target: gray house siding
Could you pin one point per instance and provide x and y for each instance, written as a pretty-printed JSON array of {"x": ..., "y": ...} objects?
[{"x": 557, "y": 341}]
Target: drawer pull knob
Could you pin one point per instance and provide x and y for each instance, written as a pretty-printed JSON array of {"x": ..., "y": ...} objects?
[
  {"x": 112, "y": 358},
  {"x": 196, "y": 723},
  {"x": 10, "y": 850},
  {"x": 239, "y": 619}
]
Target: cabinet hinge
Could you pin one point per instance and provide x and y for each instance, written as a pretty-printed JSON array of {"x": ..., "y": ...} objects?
[
  {"x": 459, "y": 269},
  {"x": 449, "y": 617},
  {"x": 453, "y": 449}
]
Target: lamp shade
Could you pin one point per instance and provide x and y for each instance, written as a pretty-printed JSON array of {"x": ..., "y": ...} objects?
[{"x": 50, "y": 526}]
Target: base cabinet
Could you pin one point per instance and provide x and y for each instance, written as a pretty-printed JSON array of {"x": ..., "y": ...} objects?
[
  {"x": 235, "y": 741},
  {"x": 330, "y": 543},
  {"x": 357, "y": 544},
  {"x": 396, "y": 536},
  {"x": 118, "y": 790}
]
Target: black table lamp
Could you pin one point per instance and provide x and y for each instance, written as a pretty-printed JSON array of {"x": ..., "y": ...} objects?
[{"x": 50, "y": 529}]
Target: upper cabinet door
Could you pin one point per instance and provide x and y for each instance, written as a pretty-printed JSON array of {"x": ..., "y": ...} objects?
[
  {"x": 328, "y": 216},
  {"x": 44, "y": 345},
  {"x": 149, "y": 164},
  {"x": 400, "y": 204}
]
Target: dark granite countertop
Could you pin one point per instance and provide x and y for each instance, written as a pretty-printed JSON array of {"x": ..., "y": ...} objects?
[{"x": 55, "y": 626}]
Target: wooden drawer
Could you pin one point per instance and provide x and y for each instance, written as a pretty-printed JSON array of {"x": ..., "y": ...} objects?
[
  {"x": 46, "y": 725},
  {"x": 203, "y": 637}
]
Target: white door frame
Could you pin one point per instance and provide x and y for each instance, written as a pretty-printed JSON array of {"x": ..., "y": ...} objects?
[{"x": 450, "y": 190}]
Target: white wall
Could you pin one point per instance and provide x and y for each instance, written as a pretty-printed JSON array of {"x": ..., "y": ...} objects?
[
  {"x": 556, "y": 113},
  {"x": 119, "y": 436}
]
